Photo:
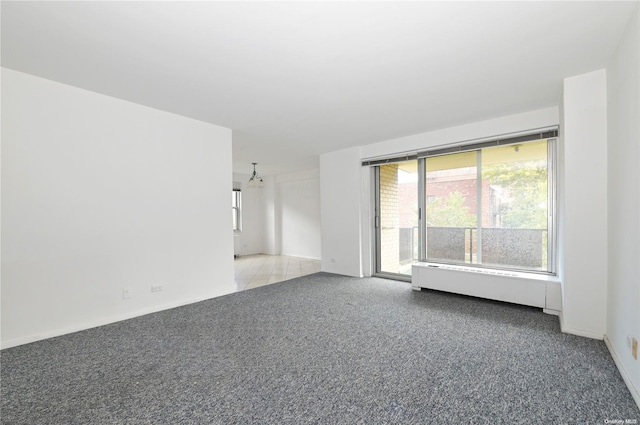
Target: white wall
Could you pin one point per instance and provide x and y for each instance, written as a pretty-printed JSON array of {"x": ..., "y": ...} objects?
[
  {"x": 289, "y": 215},
  {"x": 584, "y": 203},
  {"x": 623, "y": 295},
  {"x": 99, "y": 194},
  {"x": 340, "y": 205},
  {"x": 250, "y": 240},
  {"x": 477, "y": 130},
  {"x": 299, "y": 212},
  {"x": 271, "y": 220}
]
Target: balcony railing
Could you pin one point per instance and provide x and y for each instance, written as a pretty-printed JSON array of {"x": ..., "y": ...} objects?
[{"x": 503, "y": 247}]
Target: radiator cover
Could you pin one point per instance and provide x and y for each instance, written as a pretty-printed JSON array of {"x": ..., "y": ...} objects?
[{"x": 530, "y": 289}]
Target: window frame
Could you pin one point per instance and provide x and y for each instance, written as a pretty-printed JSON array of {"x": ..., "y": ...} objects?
[{"x": 236, "y": 208}]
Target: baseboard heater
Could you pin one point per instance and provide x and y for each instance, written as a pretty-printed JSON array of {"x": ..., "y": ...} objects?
[{"x": 536, "y": 290}]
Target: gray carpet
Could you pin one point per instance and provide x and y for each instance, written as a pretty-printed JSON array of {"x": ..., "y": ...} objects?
[{"x": 321, "y": 349}]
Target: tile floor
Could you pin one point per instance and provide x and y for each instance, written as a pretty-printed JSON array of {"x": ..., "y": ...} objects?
[{"x": 252, "y": 271}]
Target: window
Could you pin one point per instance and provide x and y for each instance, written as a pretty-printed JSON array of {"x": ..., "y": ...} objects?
[
  {"x": 490, "y": 207},
  {"x": 490, "y": 204},
  {"x": 236, "y": 201}
]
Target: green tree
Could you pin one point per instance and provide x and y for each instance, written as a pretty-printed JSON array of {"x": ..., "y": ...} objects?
[
  {"x": 524, "y": 185},
  {"x": 449, "y": 212}
]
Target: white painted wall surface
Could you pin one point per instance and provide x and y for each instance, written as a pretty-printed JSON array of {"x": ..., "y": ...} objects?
[
  {"x": 623, "y": 295},
  {"x": 271, "y": 220},
  {"x": 340, "y": 205},
  {"x": 584, "y": 172},
  {"x": 367, "y": 220},
  {"x": 299, "y": 208},
  {"x": 560, "y": 203},
  {"x": 515, "y": 123},
  {"x": 99, "y": 194},
  {"x": 250, "y": 240}
]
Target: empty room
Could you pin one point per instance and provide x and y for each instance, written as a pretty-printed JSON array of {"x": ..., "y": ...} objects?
[{"x": 344, "y": 212}]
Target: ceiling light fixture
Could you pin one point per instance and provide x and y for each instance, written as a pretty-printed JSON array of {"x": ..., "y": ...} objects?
[{"x": 255, "y": 180}]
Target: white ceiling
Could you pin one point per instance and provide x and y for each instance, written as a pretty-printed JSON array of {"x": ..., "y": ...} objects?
[{"x": 296, "y": 79}]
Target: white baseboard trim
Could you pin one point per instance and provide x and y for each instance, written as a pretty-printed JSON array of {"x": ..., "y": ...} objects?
[
  {"x": 579, "y": 332},
  {"x": 625, "y": 376},
  {"x": 100, "y": 322}
]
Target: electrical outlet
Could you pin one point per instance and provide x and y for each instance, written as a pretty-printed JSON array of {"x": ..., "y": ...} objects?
[
  {"x": 126, "y": 293},
  {"x": 634, "y": 348},
  {"x": 156, "y": 288}
]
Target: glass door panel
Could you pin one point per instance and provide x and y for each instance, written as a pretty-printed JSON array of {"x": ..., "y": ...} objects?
[
  {"x": 451, "y": 194},
  {"x": 397, "y": 241},
  {"x": 490, "y": 207},
  {"x": 515, "y": 216}
]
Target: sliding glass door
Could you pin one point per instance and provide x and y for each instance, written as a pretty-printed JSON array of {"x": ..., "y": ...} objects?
[
  {"x": 397, "y": 218},
  {"x": 451, "y": 207},
  {"x": 485, "y": 205}
]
